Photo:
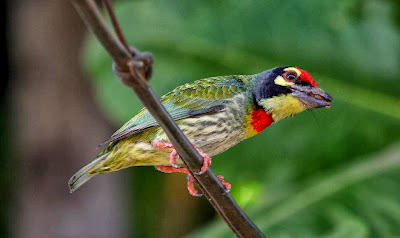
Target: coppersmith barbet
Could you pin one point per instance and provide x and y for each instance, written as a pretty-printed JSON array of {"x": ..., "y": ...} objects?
[{"x": 214, "y": 113}]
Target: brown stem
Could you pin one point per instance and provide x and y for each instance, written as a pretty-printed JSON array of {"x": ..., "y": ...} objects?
[
  {"x": 116, "y": 25},
  {"x": 208, "y": 182}
]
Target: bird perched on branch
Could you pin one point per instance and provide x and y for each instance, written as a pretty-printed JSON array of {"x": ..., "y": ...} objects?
[{"x": 215, "y": 114}]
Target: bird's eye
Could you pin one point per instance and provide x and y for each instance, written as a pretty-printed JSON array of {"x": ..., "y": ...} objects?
[{"x": 290, "y": 76}]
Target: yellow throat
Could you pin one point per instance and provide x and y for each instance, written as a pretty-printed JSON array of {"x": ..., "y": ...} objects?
[{"x": 282, "y": 106}]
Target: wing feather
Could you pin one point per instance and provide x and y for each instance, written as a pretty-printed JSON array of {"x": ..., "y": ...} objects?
[{"x": 205, "y": 96}]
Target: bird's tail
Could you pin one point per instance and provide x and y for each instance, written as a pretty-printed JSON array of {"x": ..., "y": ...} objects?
[{"x": 82, "y": 176}]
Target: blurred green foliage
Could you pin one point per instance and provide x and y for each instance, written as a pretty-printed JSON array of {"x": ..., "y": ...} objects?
[{"x": 324, "y": 173}]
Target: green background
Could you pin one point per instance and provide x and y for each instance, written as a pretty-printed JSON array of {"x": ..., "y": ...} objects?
[{"x": 323, "y": 173}]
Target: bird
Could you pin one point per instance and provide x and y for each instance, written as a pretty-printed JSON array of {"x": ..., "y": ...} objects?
[{"x": 215, "y": 114}]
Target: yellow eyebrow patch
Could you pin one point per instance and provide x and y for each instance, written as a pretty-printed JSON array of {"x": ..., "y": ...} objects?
[
  {"x": 293, "y": 69},
  {"x": 281, "y": 81}
]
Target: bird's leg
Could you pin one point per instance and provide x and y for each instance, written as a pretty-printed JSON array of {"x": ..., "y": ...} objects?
[
  {"x": 174, "y": 168},
  {"x": 172, "y": 157},
  {"x": 170, "y": 169},
  {"x": 227, "y": 185},
  {"x": 190, "y": 179},
  {"x": 206, "y": 161},
  {"x": 190, "y": 186}
]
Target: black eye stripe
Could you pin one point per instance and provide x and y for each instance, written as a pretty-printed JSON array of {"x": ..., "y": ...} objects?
[{"x": 306, "y": 84}]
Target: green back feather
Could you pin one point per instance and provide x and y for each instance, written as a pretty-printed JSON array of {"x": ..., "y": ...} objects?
[{"x": 204, "y": 96}]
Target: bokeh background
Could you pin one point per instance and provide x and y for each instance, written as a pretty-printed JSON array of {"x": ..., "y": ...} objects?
[{"x": 323, "y": 173}]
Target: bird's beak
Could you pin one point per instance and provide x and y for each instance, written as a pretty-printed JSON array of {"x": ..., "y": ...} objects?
[{"x": 311, "y": 97}]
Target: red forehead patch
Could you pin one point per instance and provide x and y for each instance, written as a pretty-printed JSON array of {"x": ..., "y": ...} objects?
[{"x": 306, "y": 77}]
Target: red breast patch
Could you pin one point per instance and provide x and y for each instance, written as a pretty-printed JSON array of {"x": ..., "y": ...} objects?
[{"x": 260, "y": 119}]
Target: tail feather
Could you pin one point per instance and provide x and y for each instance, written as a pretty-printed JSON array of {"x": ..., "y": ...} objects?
[{"x": 82, "y": 176}]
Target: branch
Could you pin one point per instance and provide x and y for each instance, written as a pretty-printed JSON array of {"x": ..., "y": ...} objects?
[{"x": 208, "y": 182}]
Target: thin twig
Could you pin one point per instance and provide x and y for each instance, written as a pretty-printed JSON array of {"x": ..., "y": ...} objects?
[
  {"x": 208, "y": 182},
  {"x": 116, "y": 25}
]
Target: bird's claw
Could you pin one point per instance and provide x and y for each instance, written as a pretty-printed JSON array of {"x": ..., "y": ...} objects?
[
  {"x": 176, "y": 168},
  {"x": 227, "y": 185},
  {"x": 199, "y": 173},
  {"x": 172, "y": 156},
  {"x": 174, "y": 153},
  {"x": 190, "y": 187},
  {"x": 194, "y": 192},
  {"x": 206, "y": 161}
]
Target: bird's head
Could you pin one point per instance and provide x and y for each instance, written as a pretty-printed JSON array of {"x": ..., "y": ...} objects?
[{"x": 286, "y": 91}]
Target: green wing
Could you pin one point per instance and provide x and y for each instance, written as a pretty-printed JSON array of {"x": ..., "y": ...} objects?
[{"x": 204, "y": 96}]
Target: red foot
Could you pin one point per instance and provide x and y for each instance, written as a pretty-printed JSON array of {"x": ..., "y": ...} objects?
[
  {"x": 190, "y": 179},
  {"x": 194, "y": 192},
  {"x": 206, "y": 162},
  {"x": 170, "y": 169},
  {"x": 172, "y": 156},
  {"x": 174, "y": 168},
  {"x": 227, "y": 185},
  {"x": 162, "y": 145},
  {"x": 190, "y": 187}
]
